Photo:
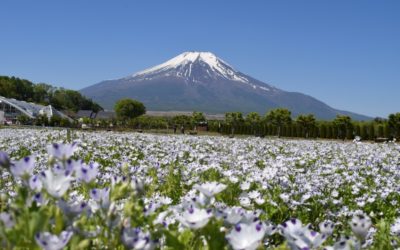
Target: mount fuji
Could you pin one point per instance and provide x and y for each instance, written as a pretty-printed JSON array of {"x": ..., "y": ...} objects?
[{"x": 200, "y": 81}]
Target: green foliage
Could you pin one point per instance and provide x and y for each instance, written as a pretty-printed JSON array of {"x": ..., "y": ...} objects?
[
  {"x": 24, "y": 120},
  {"x": 129, "y": 108},
  {"x": 198, "y": 117},
  {"x": 343, "y": 124},
  {"x": 60, "y": 98},
  {"x": 306, "y": 122},
  {"x": 278, "y": 117},
  {"x": 394, "y": 124},
  {"x": 234, "y": 119}
]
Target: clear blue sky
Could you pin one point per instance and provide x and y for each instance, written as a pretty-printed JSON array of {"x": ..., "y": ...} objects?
[{"x": 343, "y": 52}]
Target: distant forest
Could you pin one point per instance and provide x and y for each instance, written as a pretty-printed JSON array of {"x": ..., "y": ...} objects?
[{"x": 45, "y": 94}]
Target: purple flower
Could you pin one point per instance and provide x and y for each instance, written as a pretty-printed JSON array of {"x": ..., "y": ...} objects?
[
  {"x": 23, "y": 167},
  {"x": 135, "y": 238},
  {"x": 49, "y": 241},
  {"x": 72, "y": 209},
  {"x": 62, "y": 151},
  {"x": 39, "y": 199},
  {"x": 35, "y": 183},
  {"x": 101, "y": 196},
  {"x": 7, "y": 220},
  {"x": 87, "y": 173}
]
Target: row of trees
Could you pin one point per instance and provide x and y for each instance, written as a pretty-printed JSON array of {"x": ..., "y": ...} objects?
[
  {"x": 59, "y": 98},
  {"x": 277, "y": 122}
]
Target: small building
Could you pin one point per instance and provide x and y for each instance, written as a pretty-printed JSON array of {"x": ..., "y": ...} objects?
[{"x": 13, "y": 108}]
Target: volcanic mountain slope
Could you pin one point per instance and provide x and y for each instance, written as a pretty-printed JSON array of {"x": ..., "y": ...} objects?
[{"x": 200, "y": 81}]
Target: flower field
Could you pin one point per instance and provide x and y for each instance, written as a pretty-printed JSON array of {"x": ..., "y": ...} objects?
[{"x": 106, "y": 190}]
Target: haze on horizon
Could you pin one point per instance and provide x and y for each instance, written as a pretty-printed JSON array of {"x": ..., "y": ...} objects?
[{"x": 345, "y": 53}]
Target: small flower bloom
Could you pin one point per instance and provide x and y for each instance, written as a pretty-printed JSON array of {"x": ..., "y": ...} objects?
[
  {"x": 301, "y": 237},
  {"x": 23, "y": 167},
  {"x": 62, "y": 151},
  {"x": 72, "y": 209},
  {"x": 210, "y": 189},
  {"x": 101, "y": 196},
  {"x": 395, "y": 227},
  {"x": 49, "y": 241},
  {"x": 135, "y": 238},
  {"x": 87, "y": 173},
  {"x": 35, "y": 183},
  {"x": 56, "y": 184},
  {"x": 326, "y": 227},
  {"x": 7, "y": 220},
  {"x": 360, "y": 225},
  {"x": 194, "y": 217},
  {"x": 247, "y": 236},
  {"x": 39, "y": 199}
]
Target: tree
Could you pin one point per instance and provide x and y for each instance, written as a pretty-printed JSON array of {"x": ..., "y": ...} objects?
[
  {"x": 306, "y": 122},
  {"x": 279, "y": 117},
  {"x": 233, "y": 119},
  {"x": 128, "y": 108},
  {"x": 198, "y": 118},
  {"x": 394, "y": 124},
  {"x": 59, "y": 98},
  {"x": 254, "y": 120},
  {"x": 181, "y": 120},
  {"x": 343, "y": 123}
]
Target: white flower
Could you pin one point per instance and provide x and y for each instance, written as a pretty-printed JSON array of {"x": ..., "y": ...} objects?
[
  {"x": 247, "y": 236},
  {"x": 244, "y": 201},
  {"x": 360, "y": 225},
  {"x": 55, "y": 184},
  {"x": 245, "y": 186},
  {"x": 194, "y": 217},
  {"x": 326, "y": 227},
  {"x": 301, "y": 237},
  {"x": 49, "y": 241},
  {"x": 233, "y": 215},
  {"x": 210, "y": 189},
  {"x": 395, "y": 227},
  {"x": 345, "y": 243}
]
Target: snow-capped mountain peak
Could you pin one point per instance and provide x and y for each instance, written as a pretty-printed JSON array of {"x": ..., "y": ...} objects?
[{"x": 183, "y": 64}]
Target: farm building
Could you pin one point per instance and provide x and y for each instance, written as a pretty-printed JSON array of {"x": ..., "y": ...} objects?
[{"x": 11, "y": 109}]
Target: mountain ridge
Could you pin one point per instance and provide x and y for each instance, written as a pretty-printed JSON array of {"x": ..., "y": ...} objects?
[{"x": 203, "y": 82}]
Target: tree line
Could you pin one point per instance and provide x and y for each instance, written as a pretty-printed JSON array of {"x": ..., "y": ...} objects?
[
  {"x": 279, "y": 122},
  {"x": 45, "y": 94},
  {"x": 276, "y": 122}
]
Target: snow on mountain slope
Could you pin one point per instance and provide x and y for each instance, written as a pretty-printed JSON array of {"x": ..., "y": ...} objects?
[{"x": 183, "y": 64}]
